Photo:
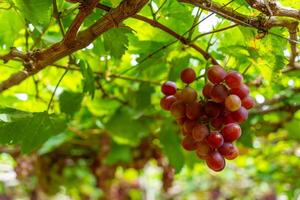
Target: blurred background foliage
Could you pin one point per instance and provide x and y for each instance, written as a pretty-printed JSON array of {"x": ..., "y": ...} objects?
[{"x": 104, "y": 135}]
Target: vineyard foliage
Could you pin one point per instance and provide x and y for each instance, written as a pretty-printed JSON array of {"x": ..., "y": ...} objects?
[{"x": 80, "y": 87}]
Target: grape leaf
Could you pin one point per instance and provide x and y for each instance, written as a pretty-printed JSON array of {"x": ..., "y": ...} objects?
[
  {"x": 10, "y": 27},
  {"x": 70, "y": 102},
  {"x": 30, "y": 130},
  {"x": 116, "y": 41},
  {"x": 35, "y": 11},
  {"x": 125, "y": 128},
  {"x": 118, "y": 153},
  {"x": 171, "y": 145},
  {"x": 143, "y": 96}
]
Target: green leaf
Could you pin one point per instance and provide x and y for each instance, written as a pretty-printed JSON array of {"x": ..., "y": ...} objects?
[
  {"x": 118, "y": 153},
  {"x": 170, "y": 141},
  {"x": 35, "y": 11},
  {"x": 293, "y": 129},
  {"x": 88, "y": 78},
  {"x": 125, "y": 128},
  {"x": 143, "y": 96},
  {"x": 30, "y": 130},
  {"x": 70, "y": 102},
  {"x": 55, "y": 142},
  {"x": 116, "y": 41},
  {"x": 10, "y": 26}
]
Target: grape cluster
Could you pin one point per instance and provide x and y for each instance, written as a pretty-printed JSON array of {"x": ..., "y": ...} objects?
[{"x": 209, "y": 125}]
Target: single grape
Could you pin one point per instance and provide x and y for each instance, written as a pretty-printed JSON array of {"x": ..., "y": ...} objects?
[
  {"x": 215, "y": 140},
  {"x": 228, "y": 118},
  {"x": 240, "y": 115},
  {"x": 188, "y": 143},
  {"x": 219, "y": 93},
  {"x": 233, "y": 102},
  {"x": 215, "y": 161},
  {"x": 212, "y": 109},
  {"x": 200, "y": 132},
  {"x": 233, "y": 155},
  {"x": 217, "y": 123},
  {"x": 202, "y": 150},
  {"x": 194, "y": 110},
  {"x": 188, "y": 75},
  {"x": 178, "y": 109},
  {"x": 229, "y": 151},
  {"x": 188, "y": 126},
  {"x": 167, "y": 101},
  {"x": 216, "y": 74},
  {"x": 169, "y": 88},
  {"x": 231, "y": 132},
  {"x": 242, "y": 91},
  {"x": 233, "y": 79},
  {"x": 248, "y": 102},
  {"x": 189, "y": 95},
  {"x": 207, "y": 90}
]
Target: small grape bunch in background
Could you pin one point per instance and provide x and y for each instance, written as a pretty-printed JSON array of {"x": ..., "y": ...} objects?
[{"x": 210, "y": 124}]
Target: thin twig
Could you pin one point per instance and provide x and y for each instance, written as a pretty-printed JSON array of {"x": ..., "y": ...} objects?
[{"x": 56, "y": 87}]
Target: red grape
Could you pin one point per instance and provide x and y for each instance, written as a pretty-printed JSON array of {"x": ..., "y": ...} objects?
[
  {"x": 167, "y": 101},
  {"x": 199, "y": 132},
  {"x": 215, "y": 140},
  {"x": 231, "y": 132},
  {"x": 188, "y": 75},
  {"x": 212, "y": 109},
  {"x": 202, "y": 150},
  {"x": 233, "y": 155},
  {"x": 188, "y": 143},
  {"x": 248, "y": 102},
  {"x": 228, "y": 118},
  {"x": 217, "y": 123},
  {"x": 193, "y": 110},
  {"x": 188, "y": 126},
  {"x": 169, "y": 88},
  {"x": 215, "y": 161},
  {"x": 219, "y": 93},
  {"x": 233, "y": 79},
  {"x": 178, "y": 109},
  {"x": 233, "y": 102},
  {"x": 242, "y": 91},
  {"x": 207, "y": 90},
  {"x": 240, "y": 115},
  {"x": 229, "y": 151},
  {"x": 216, "y": 74},
  {"x": 189, "y": 95}
]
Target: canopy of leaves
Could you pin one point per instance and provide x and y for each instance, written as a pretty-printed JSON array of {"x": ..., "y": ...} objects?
[{"x": 90, "y": 123}]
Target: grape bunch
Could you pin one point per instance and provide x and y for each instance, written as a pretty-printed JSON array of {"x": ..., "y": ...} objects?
[{"x": 209, "y": 124}]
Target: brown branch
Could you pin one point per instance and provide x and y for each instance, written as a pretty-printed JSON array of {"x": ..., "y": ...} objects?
[
  {"x": 14, "y": 53},
  {"x": 277, "y": 10},
  {"x": 259, "y": 22},
  {"x": 59, "y": 50},
  {"x": 85, "y": 10}
]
